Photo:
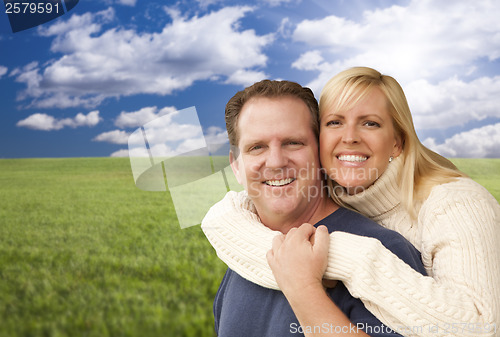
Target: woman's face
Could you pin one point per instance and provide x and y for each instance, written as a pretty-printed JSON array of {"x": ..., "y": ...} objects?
[{"x": 355, "y": 145}]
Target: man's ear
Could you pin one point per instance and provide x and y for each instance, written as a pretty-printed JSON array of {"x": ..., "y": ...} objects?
[{"x": 235, "y": 166}]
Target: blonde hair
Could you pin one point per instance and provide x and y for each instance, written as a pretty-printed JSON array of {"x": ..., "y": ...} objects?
[{"x": 422, "y": 168}]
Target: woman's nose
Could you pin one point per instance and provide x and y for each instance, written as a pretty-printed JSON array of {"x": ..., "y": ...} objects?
[{"x": 350, "y": 135}]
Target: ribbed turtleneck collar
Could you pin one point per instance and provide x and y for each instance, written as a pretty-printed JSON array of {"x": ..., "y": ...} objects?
[{"x": 382, "y": 196}]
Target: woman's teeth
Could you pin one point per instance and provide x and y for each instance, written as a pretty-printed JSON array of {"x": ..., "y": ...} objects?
[{"x": 352, "y": 158}]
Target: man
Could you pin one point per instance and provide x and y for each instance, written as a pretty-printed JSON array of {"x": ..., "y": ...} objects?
[{"x": 273, "y": 131}]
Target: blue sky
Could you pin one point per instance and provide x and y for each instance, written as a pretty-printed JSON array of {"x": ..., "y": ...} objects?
[{"x": 79, "y": 85}]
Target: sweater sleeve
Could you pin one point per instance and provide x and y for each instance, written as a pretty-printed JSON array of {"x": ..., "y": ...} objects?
[
  {"x": 239, "y": 238},
  {"x": 460, "y": 243}
]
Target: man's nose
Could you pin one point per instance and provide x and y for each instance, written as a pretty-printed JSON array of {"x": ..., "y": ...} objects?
[{"x": 276, "y": 158}]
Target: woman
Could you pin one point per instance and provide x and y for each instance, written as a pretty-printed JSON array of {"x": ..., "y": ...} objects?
[{"x": 393, "y": 179}]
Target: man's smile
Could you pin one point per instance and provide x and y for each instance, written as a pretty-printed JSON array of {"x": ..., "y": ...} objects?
[{"x": 279, "y": 183}]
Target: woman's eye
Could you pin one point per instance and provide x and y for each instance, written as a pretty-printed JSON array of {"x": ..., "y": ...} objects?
[
  {"x": 372, "y": 124},
  {"x": 333, "y": 123}
]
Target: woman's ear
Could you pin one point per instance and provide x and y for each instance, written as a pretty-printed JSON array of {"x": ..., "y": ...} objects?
[{"x": 398, "y": 145}]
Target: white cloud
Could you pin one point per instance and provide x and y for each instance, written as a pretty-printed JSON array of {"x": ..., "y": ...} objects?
[
  {"x": 74, "y": 27},
  {"x": 216, "y": 135},
  {"x": 276, "y": 3},
  {"x": 130, "y": 3},
  {"x": 482, "y": 142},
  {"x": 127, "y": 2},
  {"x": 186, "y": 137},
  {"x": 206, "y": 3},
  {"x": 174, "y": 133},
  {"x": 3, "y": 71},
  {"x": 426, "y": 39},
  {"x": 245, "y": 77},
  {"x": 158, "y": 150},
  {"x": 39, "y": 121},
  {"x": 217, "y": 140},
  {"x": 310, "y": 60},
  {"x": 141, "y": 117},
  {"x": 453, "y": 102},
  {"x": 172, "y": 139},
  {"x": 428, "y": 46},
  {"x": 46, "y": 122},
  {"x": 115, "y": 137},
  {"x": 286, "y": 28},
  {"x": 191, "y": 144},
  {"x": 98, "y": 63},
  {"x": 121, "y": 153}
]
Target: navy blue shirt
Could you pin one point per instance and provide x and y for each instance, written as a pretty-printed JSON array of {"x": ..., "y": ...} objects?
[{"x": 245, "y": 309}]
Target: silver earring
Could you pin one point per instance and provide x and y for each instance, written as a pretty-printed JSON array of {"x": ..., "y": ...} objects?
[{"x": 391, "y": 158}]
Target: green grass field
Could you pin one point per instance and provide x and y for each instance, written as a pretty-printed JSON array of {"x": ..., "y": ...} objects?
[
  {"x": 83, "y": 252},
  {"x": 484, "y": 171}
]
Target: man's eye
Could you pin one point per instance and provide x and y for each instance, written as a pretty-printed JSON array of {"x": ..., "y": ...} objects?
[{"x": 255, "y": 147}]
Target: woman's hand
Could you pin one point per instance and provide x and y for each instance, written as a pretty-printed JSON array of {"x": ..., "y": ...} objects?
[{"x": 299, "y": 258}]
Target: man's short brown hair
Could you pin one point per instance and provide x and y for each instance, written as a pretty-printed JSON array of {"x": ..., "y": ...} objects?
[{"x": 268, "y": 89}]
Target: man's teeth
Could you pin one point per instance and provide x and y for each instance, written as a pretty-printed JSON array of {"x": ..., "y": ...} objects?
[
  {"x": 352, "y": 158},
  {"x": 281, "y": 182}
]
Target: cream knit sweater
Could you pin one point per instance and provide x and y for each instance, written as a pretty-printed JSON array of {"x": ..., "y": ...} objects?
[{"x": 457, "y": 233}]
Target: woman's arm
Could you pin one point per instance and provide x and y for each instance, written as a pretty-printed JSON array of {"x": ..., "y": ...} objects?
[
  {"x": 240, "y": 239},
  {"x": 461, "y": 240}
]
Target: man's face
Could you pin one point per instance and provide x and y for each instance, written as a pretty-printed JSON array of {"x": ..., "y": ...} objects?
[{"x": 278, "y": 162}]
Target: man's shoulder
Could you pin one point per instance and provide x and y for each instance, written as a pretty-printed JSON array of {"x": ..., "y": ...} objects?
[{"x": 243, "y": 308}]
